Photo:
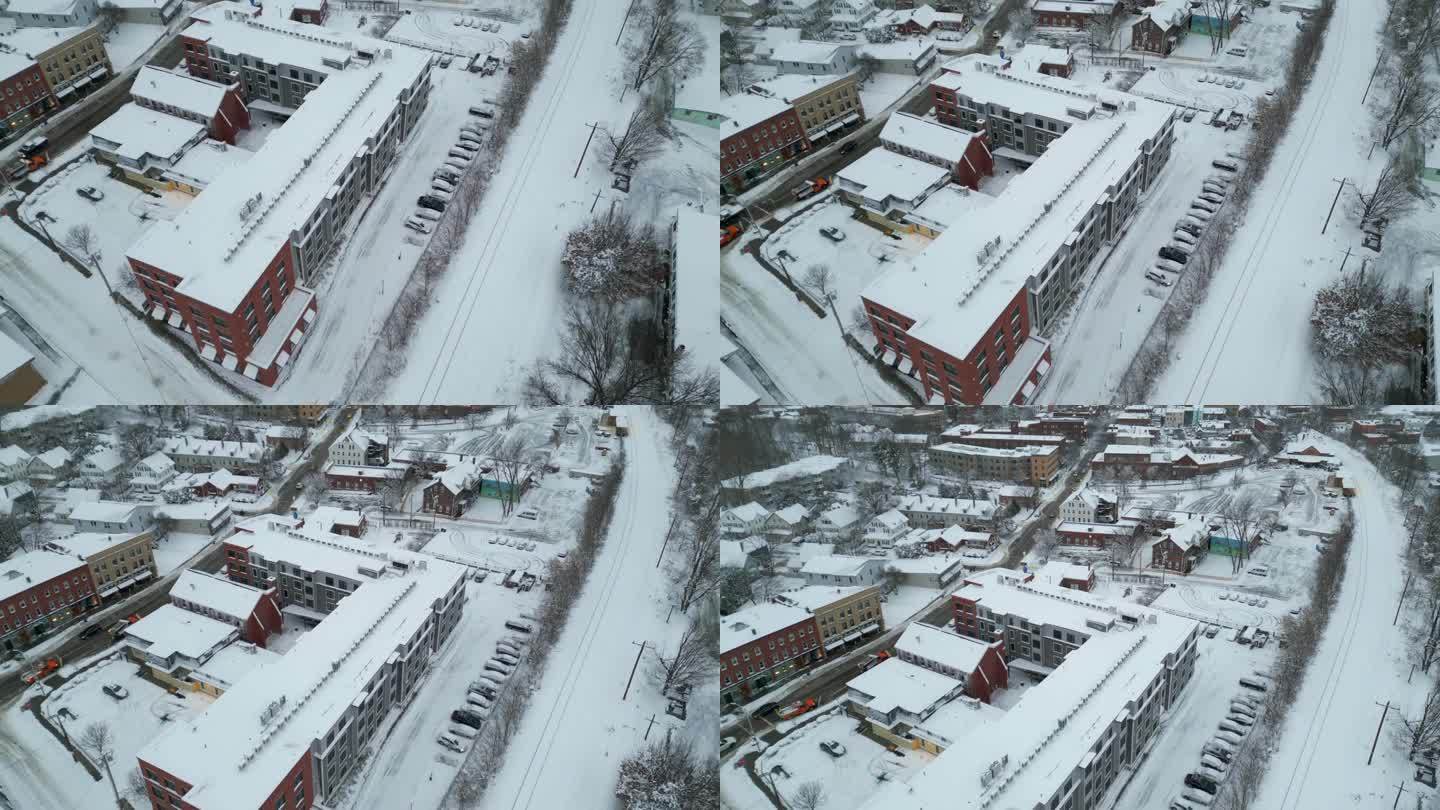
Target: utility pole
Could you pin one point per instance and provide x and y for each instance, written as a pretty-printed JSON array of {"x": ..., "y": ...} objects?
[
  {"x": 587, "y": 148},
  {"x": 1400, "y": 789},
  {"x": 596, "y": 200},
  {"x": 633, "y": 668},
  {"x": 1403, "y": 591},
  {"x": 1347, "y": 259},
  {"x": 627, "y": 19},
  {"x": 1377, "y": 733},
  {"x": 1340, "y": 180},
  {"x": 650, "y": 725}
]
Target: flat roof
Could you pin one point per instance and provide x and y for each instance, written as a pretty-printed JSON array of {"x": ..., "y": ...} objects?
[
  {"x": 895, "y": 684},
  {"x": 223, "y": 251},
  {"x": 804, "y": 50},
  {"x": 221, "y": 594},
  {"x": 697, "y": 274},
  {"x": 838, "y": 564},
  {"x": 173, "y": 630},
  {"x": 88, "y": 544},
  {"x": 814, "y": 597},
  {"x": 232, "y": 760},
  {"x": 1024, "y": 451},
  {"x": 24, "y": 571},
  {"x": 942, "y": 646},
  {"x": 757, "y": 621},
  {"x": 105, "y": 511},
  {"x": 745, "y": 110},
  {"x": 1038, "y": 602},
  {"x": 233, "y": 662},
  {"x": 811, "y": 465},
  {"x": 141, "y": 131},
  {"x": 952, "y": 289},
  {"x": 926, "y": 135},
  {"x": 884, "y": 174}
]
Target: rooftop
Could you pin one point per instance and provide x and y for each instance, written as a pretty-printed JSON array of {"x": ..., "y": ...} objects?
[
  {"x": 894, "y": 684},
  {"x": 807, "y": 51},
  {"x": 105, "y": 511},
  {"x": 926, "y": 135},
  {"x": 88, "y": 544},
  {"x": 12, "y": 356},
  {"x": 813, "y": 597},
  {"x": 234, "y": 229},
  {"x": 745, "y": 110},
  {"x": 1039, "y": 602},
  {"x": 942, "y": 646},
  {"x": 697, "y": 265},
  {"x": 993, "y": 452},
  {"x": 921, "y": 502},
  {"x": 141, "y": 132},
  {"x": 838, "y": 565},
  {"x": 756, "y": 622},
  {"x": 171, "y": 630},
  {"x": 178, "y": 89},
  {"x": 221, "y": 594},
  {"x": 884, "y": 175},
  {"x": 805, "y": 467},
  {"x": 232, "y": 758},
  {"x": 749, "y": 512},
  {"x": 233, "y": 662},
  {"x": 23, "y": 571}
]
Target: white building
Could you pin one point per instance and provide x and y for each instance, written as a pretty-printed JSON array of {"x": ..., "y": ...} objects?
[
  {"x": 360, "y": 448},
  {"x": 885, "y": 528},
  {"x": 897, "y": 692},
  {"x": 837, "y": 519},
  {"x": 111, "y": 517},
  {"x": 152, "y": 473},
  {"x": 195, "y": 454},
  {"x": 14, "y": 462},
  {"x": 1088, "y": 506},
  {"x": 807, "y": 56},
  {"x": 103, "y": 465},
  {"x": 172, "y": 638},
  {"x": 852, "y": 15},
  {"x": 840, "y": 569},
  {"x": 744, "y": 520},
  {"x": 930, "y": 512},
  {"x": 940, "y": 650},
  {"x": 52, "y": 13}
]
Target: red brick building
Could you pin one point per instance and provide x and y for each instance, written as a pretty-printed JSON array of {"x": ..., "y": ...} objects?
[
  {"x": 256, "y": 611},
  {"x": 764, "y": 644},
  {"x": 216, "y": 106},
  {"x": 980, "y": 666},
  {"x": 359, "y": 479},
  {"x": 1096, "y": 535},
  {"x": 310, "y": 11},
  {"x": 761, "y": 135},
  {"x": 964, "y": 153},
  {"x": 1177, "y": 552},
  {"x": 1071, "y": 13},
  {"x": 296, "y": 791},
  {"x": 443, "y": 498},
  {"x": 24, "y": 94},
  {"x": 40, "y": 590}
]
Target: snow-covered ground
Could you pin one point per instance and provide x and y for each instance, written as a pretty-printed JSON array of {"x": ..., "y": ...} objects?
[
  {"x": 176, "y": 548},
  {"x": 1262, "y": 295},
  {"x": 905, "y": 602},
  {"x": 128, "y": 40},
  {"x": 578, "y": 725},
  {"x": 849, "y": 780},
  {"x": 506, "y": 284},
  {"x": 121, "y": 359}
]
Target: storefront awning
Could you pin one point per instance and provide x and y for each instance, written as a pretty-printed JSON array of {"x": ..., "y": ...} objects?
[
  {"x": 142, "y": 576},
  {"x": 110, "y": 591}
]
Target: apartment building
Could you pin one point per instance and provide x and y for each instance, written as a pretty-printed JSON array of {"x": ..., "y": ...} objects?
[
  {"x": 73, "y": 60},
  {"x": 1071, "y": 13},
  {"x": 797, "y": 480},
  {"x": 1097, "y": 535},
  {"x": 1144, "y": 461},
  {"x": 39, "y": 589},
  {"x": 763, "y": 645},
  {"x": 361, "y": 448},
  {"x": 116, "y": 561},
  {"x": 1001, "y": 439},
  {"x": 844, "y": 614},
  {"x": 215, "y": 106},
  {"x": 111, "y": 517},
  {"x": 1064, "y": 744},
  {"x": 923, "y": 511},
  {"x": 960, "y": 316},
  {"x": 1030, "y": 464},
  {"x": 295, "y": 737},
  {"x": 828, "y": 105},
  {"x": 760, "y": 134},
  {"x": 1088, "y": 506},
  {"x": 191, "y": 453},
  {"x": 251, "y": 241},
  {"x": 52, "y": 13},
  {"x": 311, "y": 570},
  {"x": 896, "y": 695},
  {"x": 255, "y": 612},
  {"x": 24, "y": 95}
]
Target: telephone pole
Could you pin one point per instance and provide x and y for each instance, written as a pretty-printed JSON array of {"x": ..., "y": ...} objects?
[
  {"x": 581, "y": 162},
  {"x": 1377, "y": 734}
]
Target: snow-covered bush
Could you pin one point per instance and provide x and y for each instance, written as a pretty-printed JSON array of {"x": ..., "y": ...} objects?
[
  {"x": 611, "y": 257},
  {"x": 667, "y": 775},
  {"x": 1359, "y": 319}
]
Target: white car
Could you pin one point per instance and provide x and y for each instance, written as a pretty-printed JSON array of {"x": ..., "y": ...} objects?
[
  {"x": 494, "y": 539},
  {"x": 1185, "y": 237},
  {"x": 426, "y": 213},
  {"x": 440, "y": 184},
  {"x": 1184, "y": 247},
  {"x": 419, "y": 225},
  {"x": 1200, "y": 214},
  {"x": 528, "y": 514},
  {"x": 1169, "y": 266},
  {"x": 463, "y": 731},
  {"x": 1212, "y": 197},
  {"x": 1203, "y": 205}
]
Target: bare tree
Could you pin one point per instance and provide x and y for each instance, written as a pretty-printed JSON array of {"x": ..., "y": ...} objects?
[
  {"x": 819, "y": 279},
  {"x": 82, "y": 241},
  {"x": 1422, "y": 731},
  {"x": 642, "y": 139},
  {"x": 665, "y": 44},
  {"x": 1409, "y": 100},
  {"x": 1342, "y": 383},
  {"x": 1396, "y": 191},
  {"x": 612, "y": 257},
  {"x": 512, "y": 466},
  {"x": 689, "y": 660},
  {"x": 1102, "y": 29},
  {"x": 1241, "y": 518},
  {"x": 809, "y": 796},
  {"x": 696, "y": 567},
  {"x": 1022, "y": 23},
  {"x": 99, "y": 742},
  {"x": 1219, "y": 13},
  {"x": 135, "y": 789}
]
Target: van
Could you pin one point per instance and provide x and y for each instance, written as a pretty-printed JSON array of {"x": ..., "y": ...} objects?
[{"x": 1226, "y": 164}]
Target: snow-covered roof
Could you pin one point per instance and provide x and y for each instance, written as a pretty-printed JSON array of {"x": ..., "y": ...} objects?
[
  {"x": 22, "y": 571},
  {"x": 328, "y": 516},
  {"x": 13, "y": 455},
  {"x": 892, "y": 519},
  {"x": 1044, "y": 736},
  {"x": 920, "y": 502},
  {"x": 883, "y": 175},
  {"x": 52, "y": 7},
  {"x": 953, "y": 289},
  {"x": 948, "y": 205},
  {"x": 951, "y": 535},
  {"x": 1016, "y": 491},
  {"x": 10, "y": 493},
  {"x": 992, "y": 452},
  {"x": 842, "y": 565},
  {"x": 213, "y": 448},
  {"x": 220, "y": 594},
  {"x": 179, "y": 90},
  {"x": 1038, "y": 602},
  {"x": 303, "y": 161},
  {"x": 697, "y": 268},
  {"x": 941, "y": 646},
  {"x": 792, "y": 514},
  {"x": 745, "y": 110},
  {"x": 54, "y": 457},
  {"x": 1074, "y": 6},
  {"x": 735, "y": 553},
  {"x": 285, "y": 432},
  {"x": 199, "y": 510},
  {"x": 755, "y": 622},
  {"x": 1056, "y": 571},
  {"x": 233, "y": 662},
  {"x": 103, "y": 459},
  {"x": 805, "y": 51},
  {"x": 1015, "y": 380},
  {"x": 105, "y": 511},
  {"x": 1168, "y": 13},
  {"x": 840, "y": 516},
  {"x": 912, "y": 50},
  {"x": 815, "y": 597},
  {"x": 925, "y": 135},
  {"x": 156, "y": 462},
  {"x": 931, "y": 565},
  {"x": 790, "y": 87},
  {"x": 171, "y": 630},
  {"x": 1121, "y": 529},
  {"x": 206, "y": 161},
  {"x": 893, "y": 684},
  {"x": 12, "y": 356},
  {"x": 805, "y": 467},
  {"x": 139, "y": 133},
  {"x": 749, "y": 512},
  {"x": 88, "y": 544},
  {"x": 316, "y": 682}
]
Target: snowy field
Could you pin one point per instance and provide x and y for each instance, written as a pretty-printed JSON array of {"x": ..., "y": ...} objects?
[
  {"x": 128, "y": 40},
  {"x": 849, "y": 780},
  {"x": 176, "y": 548},
  {"x": 454, "y": 32},
  {"x": 905, "y": 602},
  {"x": 884, "y": 89}
]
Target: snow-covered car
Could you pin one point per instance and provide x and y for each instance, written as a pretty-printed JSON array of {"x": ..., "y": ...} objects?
[
  {"x": 477, "y": 704},
  {"x": 467, "y": 717},
  {"x": 468, "y": 147},
  {"x": 462, "y": 732},
  {"x": 442, "y": 185},
  {"x": 1255, "y": 684},
  {"x": 1234, "y": 728},
  {"x": 1212, "y": 197},
  {"x": 1169, "y": 266},
  {"x": 458, "y": 21},
  {"x": 90, "y": 193},
  {"x": 1200, "y": 214},
  {"x": 1204, "y": 205},
  {"x": 833, "y": 748},
  {"x": 833, "y": 234},
  {"x": 1200, "y": 781},
  {"x": 1228, "y": 737},
  {"x": 494, "y": 664},
  {"x": 1157, "y": 278},
  {"x": 1213, "y": 761},
  {"x": 449, "y": 741},
  {"x": 1264, "y": 602},
  {"x": 1212, "y": 187},
  {"x": 116, "y": 691},
  {"x": 426, "y": 213},
  {"x": 497, "y": 669},
  {"x": 528, "y": 514},
  {"x": 1223, "y": 179},
  {"x": 1225, "y": 164},
  {"x": 506, "y": 658},
  {"x": 519, "y": 641},
  {"x": 460, "y": 154},
  {"x": 419, "y": 225},
  {"x": 494, "y": 539},
  {"x": 486, "y": 688},
  {"x": 1253, "y": 601},
  {"x": 1197, "y": 797},
  {"x": 1183, "y": 246},
  {"x": 1240, "y": 719},
  {"x": 1184, "y": 237},
  {"x": 1213, "y": 631},
  {"x": 1189, "y": 115},
  {"x": 1192, "y": 228},
  {"x": 456, "y": 163}
]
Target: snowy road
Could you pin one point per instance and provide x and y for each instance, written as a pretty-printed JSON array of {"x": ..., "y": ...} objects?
[
  {"x": 577, "y": 728},
  {"x": 1361, "y": 662},
  {"x": 1250, "y": 340}
]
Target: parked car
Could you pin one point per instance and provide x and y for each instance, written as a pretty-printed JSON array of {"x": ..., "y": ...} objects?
[
  {"x": 427, "y": 214},
  {"x": 482, "y": 698},
  {"x": 1204, "y": 205},
  {"x": 833, "y": 234},
  {"x": 506, "y": 658},
  {"x": 1223, "y": 179},
  {"x": 467, "y": 717},
  {"x": 90, "y": 193},
  {"x": 1202, "y": 782},
  {"x": 483, "y": 111},
  {"x": 1196, "y": 797},
  {"x": 833, "y": 748},
  {"x": 1185, "y": 237},
  {"x": 528, "y": 514},
  {"x": 450, "y": 742},
  {"x": 1226, "y": 164},
  {"x": 1211, "y": 761},
  {"x": 462, "y": 732},
  {"x": 116, "y": 691},
  {"x": 432, "y": 202},
  {"x": 1192, "y": 227},
  {"x": 1234, "y": 728},
  {"x": 1217, "y": 751},
  {"x": 1240, "y": 719},
  {"x": 1212, "y": 631},
  {"x": 1200, "y": 214},
  {"x": 1255, "y": 684},
  {"x": 419, "y": 225},
  {"x": 92, "y": 630},
  {"x": 489, "y": 689},
  {"x": 500, "y": 670},
  {"x": 1183, "y": 247},
  {"x": 442, "y": 184},
  {"x": 1212, "y": 197},
  {"x": 1189, "y": 115},
  {"x": 848, "y": 147},
  {"x": 1169, "y": 266},
  {"x": 1157, "y": 278}
]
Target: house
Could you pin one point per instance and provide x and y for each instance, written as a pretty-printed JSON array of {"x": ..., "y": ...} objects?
[
  {"x": 14, "y": 462},
  {"x": 739, "y": 14},
  {"x": 787, "y": 523},
  {"x": 46, "y": 467},
  {"x": 219, "y": 108},
  {"x": 907, "y": 57},
  {"x": 195, "y": 518},
  {"x": 171, "y": 641},
  {"x": 745, "y": 553},
  {"x": 142, "y": 143},
  {"x": 452, "y": 491},
  {"x": 360, "y": 448},
  {"x": 844, "y": 614},
  {"x": 222, "y": 482},
  {"x": 888, "y": 187},
  {"x": 152, "y": 473},
  {"x": 255, "y": 611},
  {"x": 828, "y": 105},
  {"x": 1088, "y": 506},
  {"x": 948, "y": 540},
  {"x": 194, "y": 454},
  {"x": 981, "y": 667},
  {"x": 361, "y": 479},
  {"x": 797, "y": 480},
  {"x": 837, "y": 520},
  {"x": 1183, "y": 546},
  {"x": 933, "y": 571},
  {"x": 111, "y": 517},
  {"x": 349, "y": 522},
  {"x": 147, "y": 12},
  {"x": 290, "y": 437},
  {"x": 52, "y": 13},
  {"x": 19, "y": 379},
  {"x": 1097, "y": 535},
  {"x": 16, "y": 498},
  {"x": 896, "y": 694},
  {"x": 1013, "y": 497},
  {"x": 840, "y": 569},
  {"x": 1161, "y": 27},
  {"x": 1071, "y": 13},
  {"x": 851, "y": 15},
  {"x": 885, "y": 528},
  {"x": 811, "y": 57},
  {"x": 1045, "y": 60},
  {"x": 1076, "y": 576},
  {"x": 102, "y": 465},
  {"x": 964, "y": 154},
  {"x": 744, "y": 520},
  {"x": 929, "y": 512}
]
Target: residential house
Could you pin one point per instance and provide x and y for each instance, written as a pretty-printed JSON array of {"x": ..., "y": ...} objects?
[
  {"x": 1088, "y": 506},
  {"x": 152, "y": 473},
  {"x": 255, "y": 611},
  {"x": 104, "y": 465},
  {"x": 962, "y": 153},
  {"x": 840, "y": 569},
  {"x": 930, "y": 512},
  {"x": 981, "y": 667},
  {"x": 1076, "y": 576},
  {"x": 111, "y": 517},
  {"x": 789, "y": 523},
  {"x": 1161, "y": 27},
  {"x": 744, "y": 520},
  {"x": 885, "y": 528}
]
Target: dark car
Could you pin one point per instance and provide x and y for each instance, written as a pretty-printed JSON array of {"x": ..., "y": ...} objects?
[
  {"x": 1201, "y": 782},
  {"x": 431, "y": 202},
  {"x": 766, "y": 708},
  {"x": 848, "y": 147},
  {"x": 1173, "y": 255},
  {"x": 92, "y": 630},
  {"x": 470, "y": 719}
]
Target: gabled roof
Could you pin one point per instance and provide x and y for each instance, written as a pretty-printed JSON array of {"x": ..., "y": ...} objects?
[
  {"x": 749, "y": 512},
  {"x": 942, "y": 646},
  {"x": 105, "y": 511},
  {"x": 222, "y": 595},
  {"x": 180, "y": 90},
  {"x": 155, "y": 463},
  {"x": 104, "y": 459},
  {"x": 13, "y": 455}
]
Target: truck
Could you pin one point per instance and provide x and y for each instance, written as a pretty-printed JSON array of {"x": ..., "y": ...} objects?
[
  {"x": 797, "y": 708},
  {"x": 875, "y": 660},
  {"x": 810, "y": 188},
  {"x": 44, "y": 670}
]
